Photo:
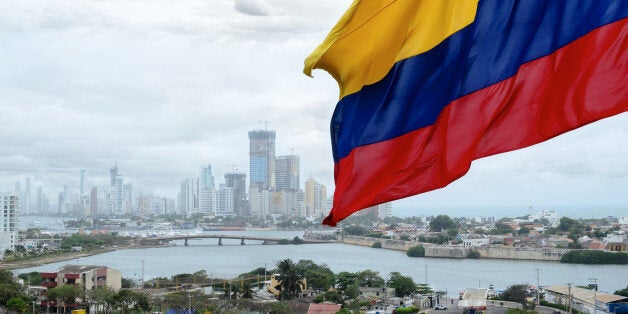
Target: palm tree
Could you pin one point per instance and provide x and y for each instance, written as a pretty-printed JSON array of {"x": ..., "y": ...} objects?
[{"x": 289, "y": 279}]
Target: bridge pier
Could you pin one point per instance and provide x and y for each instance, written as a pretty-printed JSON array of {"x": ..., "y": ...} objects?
[
  {"x": 186, "y": 242},
  {"x": 219, "y": 240},
  {"x": 242, "y": 241}
]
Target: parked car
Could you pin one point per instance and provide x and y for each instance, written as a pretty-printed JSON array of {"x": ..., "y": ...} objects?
[{"x": 440, "y": 307}]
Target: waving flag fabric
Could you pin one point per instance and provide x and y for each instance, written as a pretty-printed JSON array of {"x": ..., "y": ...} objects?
[{"x": 428, "y": 86}]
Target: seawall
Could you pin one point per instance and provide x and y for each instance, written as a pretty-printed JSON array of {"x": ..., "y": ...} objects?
[{"x": 492, "y": 252}]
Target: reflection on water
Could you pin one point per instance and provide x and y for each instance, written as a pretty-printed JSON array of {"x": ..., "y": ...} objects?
[{"x": 231, "y": 259}]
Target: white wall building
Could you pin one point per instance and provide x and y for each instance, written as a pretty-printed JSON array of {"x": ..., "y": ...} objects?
[{"x": 10, "y": 209}]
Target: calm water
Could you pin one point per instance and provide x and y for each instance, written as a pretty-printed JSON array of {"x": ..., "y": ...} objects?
[{"x": 231, "y": 259}]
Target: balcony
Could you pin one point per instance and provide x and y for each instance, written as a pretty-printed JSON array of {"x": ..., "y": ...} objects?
[
  {"x": 49, "y": 284},
  {"x": 72, "y": 276}
]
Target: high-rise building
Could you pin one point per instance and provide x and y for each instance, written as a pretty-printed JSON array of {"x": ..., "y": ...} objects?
[
  {"x": 113, "y": 175},
  {"x": 127, "y": 195},
  {"x": 82, "y": 187},
  {"x": 315, "y": 194},
  {"x": 40, "y": 200},
  {"x": 9, "y": 212},
  {"x": 224, "y": 200},
  {"x": 207, "y": 201},
  {"x": 382, "y": 211},
  {"x": 93, "y": 201},
  {"x": 205, "y": 193},
  {"x": 115, "y": 195},
  {"x": 262, "y": 170},
  {"x": 262, "y": 159},
  {"x": 237, "y": 181},
  {"x": 186, "y": 197},
  {"x": 26, "y": 198},
  {"x": 287, "y": 173},
  {"x": 206, "y": 178}
]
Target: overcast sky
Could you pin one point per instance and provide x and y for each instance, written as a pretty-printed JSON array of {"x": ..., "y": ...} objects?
[{"x": 162, "y": 87}]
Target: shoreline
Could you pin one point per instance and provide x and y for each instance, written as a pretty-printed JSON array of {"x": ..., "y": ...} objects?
[{"x": 68, "y": 256}]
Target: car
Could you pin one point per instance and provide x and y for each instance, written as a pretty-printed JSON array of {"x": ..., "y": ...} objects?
[{"x": 440, "y": 307}]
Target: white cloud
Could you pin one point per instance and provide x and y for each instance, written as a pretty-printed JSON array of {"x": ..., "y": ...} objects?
[{"x": 162, "y": 87}]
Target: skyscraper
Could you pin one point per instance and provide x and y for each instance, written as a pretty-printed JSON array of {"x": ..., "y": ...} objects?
[
  {"x": 82, "y": 188},
  {"x": 224, "y": 200},
  {"x": 237, "y": 181},
  {"x": 93, "y": 201},
  {"x": 205, "y": 194},
  {"x": 26, "y": 198},
  {"x": 40, "y": 200},
  {"x": 287, "y": 173},
  {"x": 206, "y": 178},
  {"x": 262, "y": 158},
  {"x": 315, "y": 194},
  {"x": 262, "y": 170},
  {"x": 186, "y": 197}
]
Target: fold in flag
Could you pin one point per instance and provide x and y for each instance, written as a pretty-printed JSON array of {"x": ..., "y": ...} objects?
[{"x": 426, "y": 87}]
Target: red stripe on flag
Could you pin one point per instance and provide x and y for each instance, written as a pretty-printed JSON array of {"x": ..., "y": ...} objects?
[{"x": 580, "y": 83}]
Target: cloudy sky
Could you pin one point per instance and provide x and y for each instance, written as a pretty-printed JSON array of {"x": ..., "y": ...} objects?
[{"x": 162, "y": 87}]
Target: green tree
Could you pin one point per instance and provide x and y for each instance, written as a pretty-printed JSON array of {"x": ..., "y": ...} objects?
[
  {"x": 329, "y": 296},
  {"x": 17, "y": 304},
  {"x": 33, "y": 278},
  {"x": 517, "y": 293},
  {"x": 127, "y": 283},
  {"x": 102, "y": 298},
  {"x": 289, "y": 279},
  {"x": 424, "y": 289},
  {"x": 356, "y": 230},
  {"x": 64, "y": 295},
  {"x": 9, "y": 288},
  {"x": 278, "y": 308},
  {"x": 567, "y": 223},
  {"x": 319, "y": 280},
  {"x": 369, "y": 278},
  {"x": 442, "y": 222},
  {"x": 622, "y": 292},
  {"x": 131, "y": 300},
  {"x": 352, "y": 292},
  {"x": 403, "y": 285},
  {"x": 416, "y": 251},
  {"x": 345, "y": 279}
]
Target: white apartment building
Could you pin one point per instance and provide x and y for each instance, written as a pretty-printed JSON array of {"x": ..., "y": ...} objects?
[{"x": 10, "y": 208}]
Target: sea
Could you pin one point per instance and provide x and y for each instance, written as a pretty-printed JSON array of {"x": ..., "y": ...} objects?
[{"x": 451, "y": 275}]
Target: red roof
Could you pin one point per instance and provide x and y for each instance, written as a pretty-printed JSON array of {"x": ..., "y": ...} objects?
[{"x": 323, "y": 308}]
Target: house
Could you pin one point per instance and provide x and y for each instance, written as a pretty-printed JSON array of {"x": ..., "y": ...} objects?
[
  {"x": 377, "y": 293},
  {"x": 584, "y": 299},
  {"x": 475, "y": 241},
  {"x": 323, "y": 308},
  {"x": 87, "y": 277}
]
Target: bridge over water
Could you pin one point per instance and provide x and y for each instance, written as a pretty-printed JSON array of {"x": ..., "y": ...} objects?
[{"x": 242, "y": 238}]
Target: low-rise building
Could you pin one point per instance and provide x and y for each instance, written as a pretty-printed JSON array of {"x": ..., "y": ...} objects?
[
  {"x": 584, "y": 299},
  {"x": 87, "y": 277}
]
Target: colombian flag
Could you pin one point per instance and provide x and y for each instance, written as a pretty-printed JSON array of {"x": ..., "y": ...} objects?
[{"x": 428, "y": 86}]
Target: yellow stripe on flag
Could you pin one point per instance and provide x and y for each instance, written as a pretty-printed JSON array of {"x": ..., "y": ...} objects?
[{"x": 374, "y": 34}]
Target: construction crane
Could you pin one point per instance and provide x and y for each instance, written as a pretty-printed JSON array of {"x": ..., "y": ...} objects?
[
  {"x": 267, "y": 121},
  {"x": 234, "y": 168}
]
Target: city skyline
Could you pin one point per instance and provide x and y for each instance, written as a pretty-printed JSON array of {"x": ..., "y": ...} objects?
[{"x": 87, "y": 84}]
